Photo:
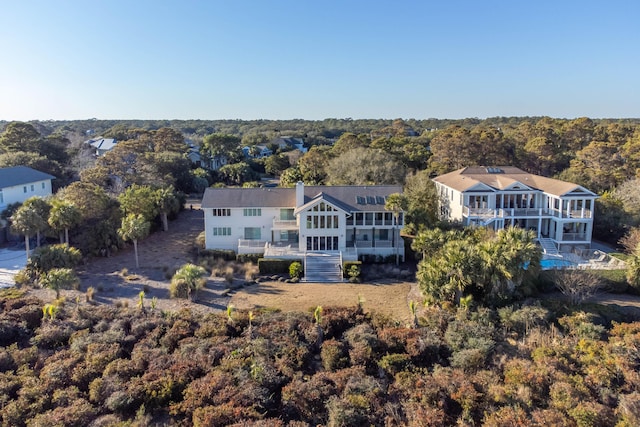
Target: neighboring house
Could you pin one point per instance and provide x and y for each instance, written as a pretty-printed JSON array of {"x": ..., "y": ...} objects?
[
  {"x": 290, "y": 143},
  {"x": 199, "y": 160},
  {"x": 18, "y": 183},
  {"x": 102, "y": 145},
  {"x": 342, "y": 220},
  {"x": 561, "y": 213},
  {"x": 259, "y": 152}
]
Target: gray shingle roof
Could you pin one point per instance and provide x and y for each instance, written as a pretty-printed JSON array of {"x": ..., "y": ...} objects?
[
  {"x": 347, "y": 196},
  {"x": 19, "y": 175}
]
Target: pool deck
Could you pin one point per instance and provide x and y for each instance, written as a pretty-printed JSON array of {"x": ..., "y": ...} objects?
[{"x": 596, "y": 260}]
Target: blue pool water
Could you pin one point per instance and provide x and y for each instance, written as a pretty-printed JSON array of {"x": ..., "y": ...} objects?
[{"x": 550, "y": 264}]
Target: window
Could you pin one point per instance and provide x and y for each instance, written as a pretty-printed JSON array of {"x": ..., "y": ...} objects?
[
  {"x": 33, "y": 187},
  {"x": 221, "y": 212},
  {"x": 382, "y": 234},
  {"x": 252, "y": 212},
  {"x": 222, "y": 231},
  {"x": 379, "y": 218},
  {"x": 368, "y": 218},
  {"x": 287, "y": 215},
  {"x": 252, "y": 233},
  {"x": 24, "y": 188},
  {"x": 1, "y": 198},
  {"x": 43, "y": 185}
]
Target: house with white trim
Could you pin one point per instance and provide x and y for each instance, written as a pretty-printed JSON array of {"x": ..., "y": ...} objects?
[
  {"x": 260, "y": 152},
  {"x": 18, "y": 183},
  {"x": 560, "y": 212},
  {"x": 289, "y": 142},
  {"x": 348, "y": 221}
]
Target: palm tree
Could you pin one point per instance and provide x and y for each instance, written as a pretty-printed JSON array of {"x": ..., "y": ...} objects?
[
  {"x": 396, "y": 203},
  {"x": 41, "y": 208},
  {"x": 134, "y": 227},
  {"x": 27, "y": 221},
  {"x": 193, "y": 276},
  {"x": 59, "y": 278},
  {"x": 63, "y": 216},
  {"x": 167, "y": 202}
]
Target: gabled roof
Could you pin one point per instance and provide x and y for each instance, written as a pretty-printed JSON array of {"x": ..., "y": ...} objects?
[
  {"x": 19, "y": 175},
  {"x": 323, "y": 197},
  {"x": 504, "y": 178}
]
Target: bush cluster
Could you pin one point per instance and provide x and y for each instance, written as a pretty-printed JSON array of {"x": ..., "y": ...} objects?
[{"x": 523, "y": 365}]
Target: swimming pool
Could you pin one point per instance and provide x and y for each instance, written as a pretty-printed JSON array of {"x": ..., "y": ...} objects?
[{"x": 556, "y": 264}]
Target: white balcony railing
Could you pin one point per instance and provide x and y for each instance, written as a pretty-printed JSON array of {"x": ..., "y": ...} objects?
[
  {"x": 525, "y": 213},
  {"x": 282, "y": 224},
  {"x": 574, "y": 237}
]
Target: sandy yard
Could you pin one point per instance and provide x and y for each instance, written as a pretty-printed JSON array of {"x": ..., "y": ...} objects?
[
  {"x": 389, "y": 299},
  {"x": 162, "y": 252}
]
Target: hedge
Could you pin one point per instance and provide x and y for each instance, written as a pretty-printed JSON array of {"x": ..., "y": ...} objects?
[
  {"x": 275, "y": 266},
  {"x": 253, "y": 258},
  {"x": 225, "y": 254}
]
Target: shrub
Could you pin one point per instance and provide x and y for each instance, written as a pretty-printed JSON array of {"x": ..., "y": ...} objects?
[
  {"x": 187, "y": 281},
  {"x": 46, "y": 258},
  {"x": 346, "y": 266},
  {"x": 225, "y": 254},
  {"x": 275, "y": 266},
  {"x": 295, "y": 270},
  {"x": 252, "y": 258},
  {"x": 354, "y": 274},
  {"x": 394, "y": 363},
  {"x": 333, "y": 355}
]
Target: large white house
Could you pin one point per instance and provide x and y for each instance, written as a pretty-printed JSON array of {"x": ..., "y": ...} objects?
[
  {"x": 18, "y": 183},
  {"x": 280, "y": 222},
  {"x": 561, "y": 213}
]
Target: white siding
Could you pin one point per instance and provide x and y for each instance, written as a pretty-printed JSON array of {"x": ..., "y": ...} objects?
[
  {"x": 237, "y": 222},
  {"x": 20, "y": 193}
]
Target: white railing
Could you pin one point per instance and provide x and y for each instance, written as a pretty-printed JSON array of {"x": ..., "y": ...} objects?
[
  {"x": 251, "y": 246},
  {"x": 525, "y": 212},
  {"x": 285, "y": 224},
  {"x": 574, "y": 237}
]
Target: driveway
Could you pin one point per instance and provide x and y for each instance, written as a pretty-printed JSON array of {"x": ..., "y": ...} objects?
[{"x": 12, "y": 260}]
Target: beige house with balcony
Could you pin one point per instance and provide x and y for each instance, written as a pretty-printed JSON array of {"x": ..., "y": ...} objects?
[{"x": 561, "y": 213}]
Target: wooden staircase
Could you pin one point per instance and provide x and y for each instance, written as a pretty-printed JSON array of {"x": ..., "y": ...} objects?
[
  {"x": 548, "y": 247},
  {"x": 323, "y": 267}
]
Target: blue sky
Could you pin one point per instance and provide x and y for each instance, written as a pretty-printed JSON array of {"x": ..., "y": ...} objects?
[{"x": 277, "y": 59}]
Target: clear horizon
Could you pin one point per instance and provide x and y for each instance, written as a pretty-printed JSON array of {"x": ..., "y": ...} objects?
[{"x": 282, "y": 60}]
